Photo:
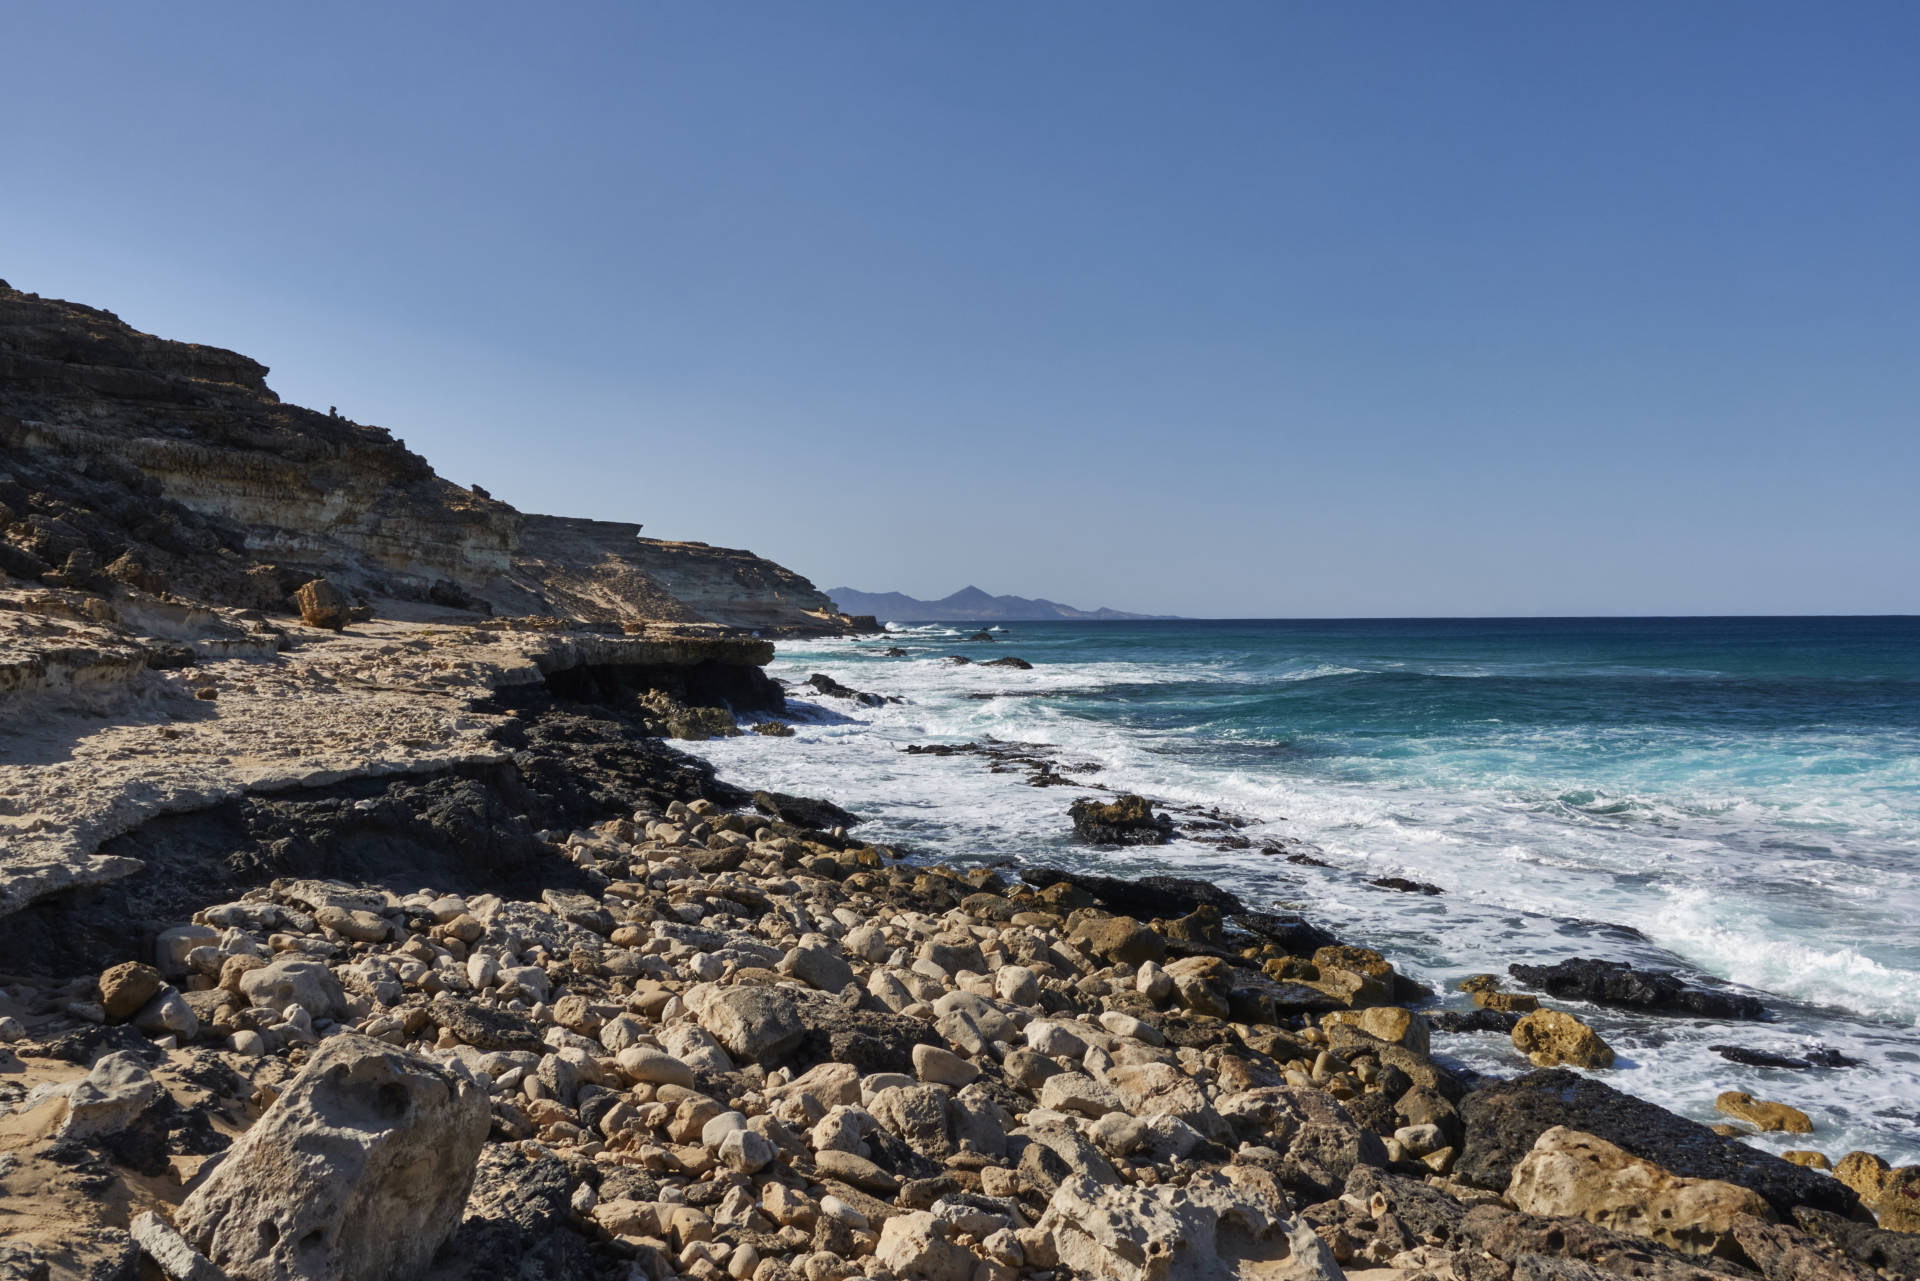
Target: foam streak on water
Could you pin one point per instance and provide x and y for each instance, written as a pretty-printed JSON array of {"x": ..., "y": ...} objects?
[{"x": 1745, "y": 794}]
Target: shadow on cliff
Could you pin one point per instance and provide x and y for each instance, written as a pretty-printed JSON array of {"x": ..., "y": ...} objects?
[{"x": 470, "y": 829}]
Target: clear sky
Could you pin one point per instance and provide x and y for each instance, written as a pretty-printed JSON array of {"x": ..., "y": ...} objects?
[{"x": 1218, "y": 309}]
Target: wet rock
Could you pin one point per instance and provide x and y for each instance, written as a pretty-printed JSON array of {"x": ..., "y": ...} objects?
[
  {"x": 1574, "y": 1175},
  {"x": 1127, "y": 821},
  {"x": 1144, "y": 896},
  {"x": 1550, "y": 1038},
  {"x": 1503, "y": 1121},
  {"x": 1295, "y": 934},
  {"x": 1768, "y": 1116},
  {"x": 1619, "y": 984},
  {"x": 360, "y": 1170},
  {"x": 1454, "y": 1021},
  {"x": 824, "y": 684},
  {"x": 1405, "y": 886},
  {"x": 1019, "y": 664},
  {"x": 803, "y": 811}
]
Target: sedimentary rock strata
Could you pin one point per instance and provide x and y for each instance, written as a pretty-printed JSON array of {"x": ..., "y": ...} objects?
[{"x": 172, "y": 467}]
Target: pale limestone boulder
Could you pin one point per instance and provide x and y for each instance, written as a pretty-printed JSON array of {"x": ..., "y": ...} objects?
[
  {"x": 916, "y": 1245},
  {"x": 1215, "y": 1229},
  {"x": 751, "y": 1023},
  {"x": 108, "y": 1098},
  {"x": 291, "y": 979},
  {"x": 1570, "y": 1174},
  {"x": 358, "y": 1172}
]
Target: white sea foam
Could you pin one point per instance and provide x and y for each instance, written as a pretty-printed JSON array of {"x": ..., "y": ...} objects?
[{"x": 1783, "y": 880}]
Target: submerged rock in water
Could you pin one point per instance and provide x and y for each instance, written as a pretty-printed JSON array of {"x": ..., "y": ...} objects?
[
  {"x": 804, "y": 811},
  {"x": 1127, "y": 821},
  {"x": 824, "y": 684},
  {"x": 1619, "y": 984},
  {"x": 1552, "y": 1037}
]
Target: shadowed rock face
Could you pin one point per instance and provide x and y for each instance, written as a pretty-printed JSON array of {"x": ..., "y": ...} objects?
[{"x": 172, "y": 466}]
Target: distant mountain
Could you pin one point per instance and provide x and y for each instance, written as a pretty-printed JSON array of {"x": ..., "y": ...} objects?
[{"x": 968, "y": 605}]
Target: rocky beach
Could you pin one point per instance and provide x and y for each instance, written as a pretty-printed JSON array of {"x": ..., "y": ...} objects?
[{"x": 366, "y": 916}]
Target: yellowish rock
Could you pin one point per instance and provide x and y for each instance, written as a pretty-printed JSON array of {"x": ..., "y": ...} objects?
[
  {"x": 1808, "y": 1157},
  {"x": 1768, "y": 1116},
  {"x": 1507, "y": 1002},
  {"x": 1891, "y": 1192},
  {"x": 1550, "y": 1038},
  {"x": 1577, "y": 1175}
]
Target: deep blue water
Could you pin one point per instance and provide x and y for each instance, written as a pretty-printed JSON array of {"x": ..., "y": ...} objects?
[{"x": 1744, "y": 793}]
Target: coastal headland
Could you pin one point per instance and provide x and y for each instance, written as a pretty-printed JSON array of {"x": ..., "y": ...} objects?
[{"x": 358, "y": 919}]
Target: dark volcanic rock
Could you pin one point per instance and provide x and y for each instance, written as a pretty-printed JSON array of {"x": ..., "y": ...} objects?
[
  {"x": 1619, "y": 984},
  {"x": 1127, "y": 821},
  {"x": 1758, "y": 1058},
  {"x": 518, "y": 1223},
  {"x": 1897, "y": 1252},
  {"x": 1473, "y": 1020},
  {"x": 824, "y": 684},
  {"x": 1405, "y": 886},
  {"x": 486, "y": 1027},
  {"x": 1503, "y": 1120},
  {"x": 871, "y": 1040},
  {"x": 1142, "y": 896},
  {"x": 1296, "y": 934},
  {"x": 1009, "y": 661},
  {"x": 803, "y": 811},
  {"x": 1512, "y": 1237},
  {"x": 1784, "y": 1253}
]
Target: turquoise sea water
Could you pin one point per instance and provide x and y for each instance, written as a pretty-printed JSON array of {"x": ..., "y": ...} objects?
[{"x": 1742, "y": 795}]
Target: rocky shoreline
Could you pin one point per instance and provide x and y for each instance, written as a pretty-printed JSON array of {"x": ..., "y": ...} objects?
[
  {"x": 682, "y": 1031},
  {"x": 357, "y": 923}
]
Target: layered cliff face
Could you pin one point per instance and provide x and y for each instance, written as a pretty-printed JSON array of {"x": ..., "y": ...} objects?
[
  {"x": 173, "y": 468},
  {"x": 604, "y": 571}
]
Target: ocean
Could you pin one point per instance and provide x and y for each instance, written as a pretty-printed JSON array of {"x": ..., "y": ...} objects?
[{"x": 1735, "y": 798}]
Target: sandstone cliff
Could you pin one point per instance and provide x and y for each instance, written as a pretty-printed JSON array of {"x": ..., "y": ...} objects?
[{"x": 172, "y": 467}]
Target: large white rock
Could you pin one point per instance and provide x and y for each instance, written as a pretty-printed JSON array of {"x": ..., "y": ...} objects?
[
  {"x": 1224, "y": 1226},
  {"x": 291, "y": 979},
  {"x": 358, "y": 1172},
  {"x": 109, "y": 1097}
]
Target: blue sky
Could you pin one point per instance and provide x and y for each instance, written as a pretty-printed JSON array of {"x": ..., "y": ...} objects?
[{"x": 1223, "y": 309}]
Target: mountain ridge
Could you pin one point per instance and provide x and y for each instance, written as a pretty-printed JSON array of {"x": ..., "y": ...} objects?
[{"x": 969, "y": 605}]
